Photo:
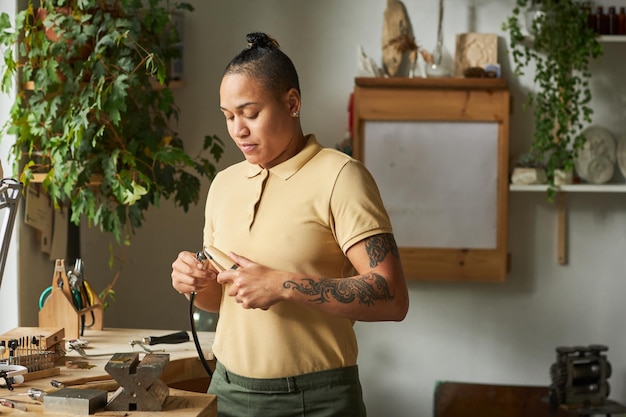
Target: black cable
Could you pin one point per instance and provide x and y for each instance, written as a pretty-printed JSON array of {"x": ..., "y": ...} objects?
[{"x": 194, "y": 333}]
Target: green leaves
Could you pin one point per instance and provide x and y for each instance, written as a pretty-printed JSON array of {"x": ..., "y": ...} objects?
[
  {"x": 561, "y": 48},
  {"x": 93, "y": 119}
]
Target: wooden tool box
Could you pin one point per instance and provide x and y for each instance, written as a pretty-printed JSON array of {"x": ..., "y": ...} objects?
[{"x": 59, "y": 310}]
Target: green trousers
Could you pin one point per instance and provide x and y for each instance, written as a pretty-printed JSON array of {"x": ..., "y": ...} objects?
[{"x": 336, "y": 392}]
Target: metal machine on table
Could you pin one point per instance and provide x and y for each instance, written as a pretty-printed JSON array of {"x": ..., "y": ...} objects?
[{"x": 580, "y": 381}]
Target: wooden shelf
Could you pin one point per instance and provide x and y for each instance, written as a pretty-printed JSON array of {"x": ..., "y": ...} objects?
[
  {"x": 573, "y": 188},
  {"x": 612, "y": 38},
  {"x": 426, "y": 83},
  {"x": 529, "y": 40},
  {"x": 561, "y": 202}
]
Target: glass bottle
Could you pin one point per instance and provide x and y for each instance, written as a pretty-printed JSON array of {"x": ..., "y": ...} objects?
[
  {"x": 440, "y": 66},
  {"x": 621, "y": 21},
  {"x": 602, "y": 23},
  {"x": 612, "y": 23},
  {"x": 591, "y": 18}
]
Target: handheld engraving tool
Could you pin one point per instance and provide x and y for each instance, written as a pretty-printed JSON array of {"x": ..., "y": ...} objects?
[
  {"x": 218, "y": 259},
  {"x": 221, "y": 262}
]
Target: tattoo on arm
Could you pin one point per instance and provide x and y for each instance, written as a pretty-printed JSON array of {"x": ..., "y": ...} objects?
[
  {"x": 379, "y": 246},
  {"x": 365, "y": 288}
]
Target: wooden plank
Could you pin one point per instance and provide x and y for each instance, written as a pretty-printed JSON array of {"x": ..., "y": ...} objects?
[
  {"x": 31, "y": 376},
  {"x": 428, "y": 105},
  {"x": 478, "y": 265},
  {"x": 562, "y": 228},
  {"x": 178, "y": 404},
  {"x": 439, "y": 83},
  {"x": 462, "y": 399}
]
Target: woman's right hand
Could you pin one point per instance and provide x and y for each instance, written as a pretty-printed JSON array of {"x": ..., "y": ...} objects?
[{"x": 190, "y": 275}]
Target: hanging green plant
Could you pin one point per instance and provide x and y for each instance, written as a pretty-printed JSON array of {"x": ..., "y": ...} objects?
[
  {"x": 561, "y": 48},
  {"x": 94, "y": 114}
]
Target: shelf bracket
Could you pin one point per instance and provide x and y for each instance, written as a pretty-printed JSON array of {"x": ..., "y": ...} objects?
[{"x": 562, "y": 228}]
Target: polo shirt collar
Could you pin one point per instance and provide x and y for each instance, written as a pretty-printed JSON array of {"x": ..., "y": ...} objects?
[{"x": 286, "y": 169}]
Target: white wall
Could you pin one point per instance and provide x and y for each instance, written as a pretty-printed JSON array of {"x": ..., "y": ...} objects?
[{"x": 468, "y": 332}]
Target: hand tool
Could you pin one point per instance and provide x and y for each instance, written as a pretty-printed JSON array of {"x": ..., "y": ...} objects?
[
  {"x": 36, "y": 394},
  {"x": 170, "y": 339},
  {"x": 78, "y": 347},
  {"x": 12, "y": 404},
  {"x": 79, "y": 381},
  {"x": 218, "y": 259},
  {"x": 221, "y": 262}
]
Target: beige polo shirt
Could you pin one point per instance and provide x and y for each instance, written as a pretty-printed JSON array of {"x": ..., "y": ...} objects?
[{"x": 302, "y": 216}]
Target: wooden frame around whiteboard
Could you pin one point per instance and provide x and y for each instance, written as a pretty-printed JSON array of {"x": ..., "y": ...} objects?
[{"x": 454, "y": 100}]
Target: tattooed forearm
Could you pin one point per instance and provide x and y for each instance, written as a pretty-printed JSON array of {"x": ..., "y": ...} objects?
[
  {"x": 379, "y": 246},
  {"x": 367, "y": 289}
]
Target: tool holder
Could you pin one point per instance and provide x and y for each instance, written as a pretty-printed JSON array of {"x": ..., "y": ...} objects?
[{"x": 59, "y": 309}]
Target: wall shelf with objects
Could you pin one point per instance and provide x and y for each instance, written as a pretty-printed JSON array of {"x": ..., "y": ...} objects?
[
  {"x": 561, "y": 198},
  {"x": 612, "y": 45},
  {"x": 438, "y": 149}
]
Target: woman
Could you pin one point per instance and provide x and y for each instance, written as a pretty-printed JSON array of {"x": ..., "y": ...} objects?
[{"x": 315, "y": 250}]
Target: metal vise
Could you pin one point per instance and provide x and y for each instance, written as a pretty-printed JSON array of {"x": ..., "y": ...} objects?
[{"x": 140, "y": 386}]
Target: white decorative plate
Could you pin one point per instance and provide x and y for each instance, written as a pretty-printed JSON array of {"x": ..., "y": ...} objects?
[{"x": 595, "y": 161}]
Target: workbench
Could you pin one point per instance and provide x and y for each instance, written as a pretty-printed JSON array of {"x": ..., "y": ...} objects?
[{"x": 184, "y": 374}]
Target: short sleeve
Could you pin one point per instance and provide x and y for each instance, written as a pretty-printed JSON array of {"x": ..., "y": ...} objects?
[{"x": 357, "y": 208}]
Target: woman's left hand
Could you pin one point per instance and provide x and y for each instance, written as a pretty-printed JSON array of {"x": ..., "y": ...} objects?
[{"x": 252, "y": 285}]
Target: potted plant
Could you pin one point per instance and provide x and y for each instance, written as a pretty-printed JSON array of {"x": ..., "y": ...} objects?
[
  {"x": 561, "y": 47},
  {"x": 98, "y": 120},
  {"x": 529, "y": 169}
]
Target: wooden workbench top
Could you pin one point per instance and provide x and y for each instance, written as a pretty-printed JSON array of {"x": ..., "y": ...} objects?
[{"x": 183, "y": 365}]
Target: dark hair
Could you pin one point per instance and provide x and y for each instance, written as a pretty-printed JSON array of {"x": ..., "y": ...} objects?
[{"x": 264, "y": 61}]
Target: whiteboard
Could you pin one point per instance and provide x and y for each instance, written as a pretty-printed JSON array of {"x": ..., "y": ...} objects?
[{"x": 438, "y": 181}]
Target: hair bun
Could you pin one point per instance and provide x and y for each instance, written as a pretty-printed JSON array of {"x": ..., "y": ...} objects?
[{"x": 261, "y": 40}]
